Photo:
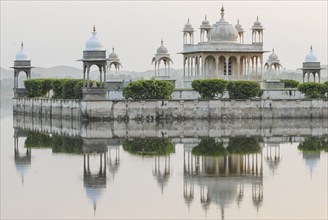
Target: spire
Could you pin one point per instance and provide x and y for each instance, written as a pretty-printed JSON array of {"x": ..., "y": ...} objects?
[
  {"x": 222, "y": 12},
  {"x": 94, "y": 28}
]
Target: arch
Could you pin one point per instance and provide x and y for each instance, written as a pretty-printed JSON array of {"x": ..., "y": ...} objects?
[
  {"x": 233, "y": 66},
  {"x": 222, "y": 65},
  {"x": 210, "y": 65}
]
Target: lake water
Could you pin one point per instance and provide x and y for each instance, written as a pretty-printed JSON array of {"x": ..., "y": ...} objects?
[{"x": 104, "y": 170}]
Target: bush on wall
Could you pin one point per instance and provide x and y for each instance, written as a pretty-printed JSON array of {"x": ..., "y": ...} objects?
[
  {"x": 290, "y": 83},
  {"x": 62, "y": 88},
  {"x": 209, "y": 88},
  {"x": 243, "y": 89},
  {"x": 313, "y": 89},
  {"x": 148, "y": 89}
]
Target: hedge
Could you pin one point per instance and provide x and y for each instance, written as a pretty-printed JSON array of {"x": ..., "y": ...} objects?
[
  {"x": 209, "y": 88},
  {"x": 62, "y": 88},
  {"x": 59, "y": 144},
  {"x": 148, "y": 89},
  {"x": 243, "y": 89},
  {"x": 312, "y": 144},
  {"x": 148, "y": 146},
  {"x": 290, "y": 83},
  {"x": 243, "y": 145},
  {"x": 209, "y": 147},
  {"x": 313, "y": 89}
]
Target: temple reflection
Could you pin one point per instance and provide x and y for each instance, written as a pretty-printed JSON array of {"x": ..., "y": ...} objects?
[
  {"x": 113, "y": 159},
  {"x": 94, "y": 178},
  {"x": 162, "y": 170},
  {"x": 219, "y": 170},
  {"x": 273, "y": 156},
  {"x": 22, "y": 160},
  {"x": 220, "y": 180},
  {"x": 311, "y": 148}
]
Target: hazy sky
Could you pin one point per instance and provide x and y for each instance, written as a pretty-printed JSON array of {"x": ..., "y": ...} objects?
[{"x": 55, "y": 32}]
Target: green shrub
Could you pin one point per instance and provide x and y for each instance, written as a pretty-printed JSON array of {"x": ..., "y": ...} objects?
[
  {"x": 290, "y": 83},
  {"x": 33, "y": 87},
  {"x": 314, "y": 144},
  {"x": 243, "y": 89},
  {"x": 57, "y": 88},
  {"x": 209, "y": 147},
  {"x": 326, "y": 83},
  {"x": 209, "y": 88},
  {"x": 243, "y": 145},
  {"x": 46, "y": 86},
  {"x": 313, "y": 89},
  {"x": 59, "y": 144},
  {"x": 148, "y": 146},
  {"x": 148, "y": 89}
]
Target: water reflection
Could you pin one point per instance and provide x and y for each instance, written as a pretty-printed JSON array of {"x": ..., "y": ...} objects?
[
  {"x": 94, "y": 180},
  {"x": 218, "y": 168},
  {"x": 220, "y": 180},
  {"x": 22, "y": 160},
  {"x": 311, "y": 149},
  {"x": 160, "y": 149}
]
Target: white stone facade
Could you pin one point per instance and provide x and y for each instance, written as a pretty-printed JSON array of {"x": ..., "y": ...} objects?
[{"x": 222, "y": 53}]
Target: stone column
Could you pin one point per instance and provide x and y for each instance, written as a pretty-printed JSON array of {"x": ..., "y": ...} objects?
[{"x": 227, "y": 67}]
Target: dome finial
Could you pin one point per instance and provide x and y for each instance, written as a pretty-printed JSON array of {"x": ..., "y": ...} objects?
[
  {"x": 94, "y": 28},
  {"x": 22, "y": 44},
  {"x": 205, "y": 18},
  {"x": 257, "y": 18},
  {"x": 222, "y": 11},
  {"x": 311, "y": 47},
  {"x": 238, "y": 21},
  {"x": 162, "y": 41},
  {"x": 272, "y": 50},
  {"x": 113, "y": 48}
]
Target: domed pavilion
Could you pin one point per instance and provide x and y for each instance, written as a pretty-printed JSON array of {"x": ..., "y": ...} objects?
[
  {"x": 22, "y": 63},
  {"x": 221, "y": 52},
  {"x": 311, "y": 66}
]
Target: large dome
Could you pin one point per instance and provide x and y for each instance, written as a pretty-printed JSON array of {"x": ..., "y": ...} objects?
[
  {"x": 311, "y": 57},
  {"x": 93, "y": 43},
  {"x": 21, "y": 54},
  {"x": 223, "y": 31}
]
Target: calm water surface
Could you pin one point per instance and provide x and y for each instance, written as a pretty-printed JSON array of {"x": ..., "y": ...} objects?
[{"x": 111, "y": 170}]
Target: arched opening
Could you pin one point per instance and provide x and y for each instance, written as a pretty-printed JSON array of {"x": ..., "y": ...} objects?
[
  {"x": 233, "y": 66},
  {"x": 209, "y": 65}
]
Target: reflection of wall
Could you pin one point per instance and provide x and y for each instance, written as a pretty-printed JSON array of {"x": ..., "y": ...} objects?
[
  {"x": 269, "y": 130},
  {"x": 221, "y": 180}
]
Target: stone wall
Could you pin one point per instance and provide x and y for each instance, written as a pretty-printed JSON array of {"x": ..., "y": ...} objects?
[
  {"x": 205, "y": 109},
  {"x": 47, "y": 107},
  {"x": 174, "y": 109}
]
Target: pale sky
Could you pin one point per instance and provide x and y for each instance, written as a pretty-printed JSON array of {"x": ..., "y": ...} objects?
[{"x": 55, "y": 32}]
